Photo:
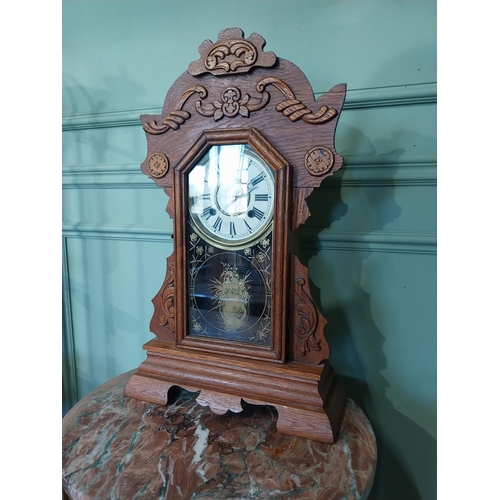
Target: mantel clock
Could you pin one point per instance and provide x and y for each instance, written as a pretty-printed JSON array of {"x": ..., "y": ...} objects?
[{"x": 239, "y": 146}]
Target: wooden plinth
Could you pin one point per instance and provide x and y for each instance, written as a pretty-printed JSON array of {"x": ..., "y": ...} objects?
[{"x": 309, "y": 398}]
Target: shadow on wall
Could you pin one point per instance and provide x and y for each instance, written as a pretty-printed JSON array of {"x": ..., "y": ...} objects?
[
  {"x": 95, "y": 145},
  {"x": 406, "y": 466},
  {"x": 91, "y": 297},
  {"x": 403, "y": 446}
]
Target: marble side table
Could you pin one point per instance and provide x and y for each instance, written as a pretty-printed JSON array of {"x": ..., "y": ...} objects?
[{"x": 120, "y": 448}]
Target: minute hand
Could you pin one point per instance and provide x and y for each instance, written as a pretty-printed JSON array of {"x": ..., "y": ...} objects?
[
  {"x": 250, "y": 187},
  {"x": 248, "y": 191},
  {"x": 243, "y": 194}
]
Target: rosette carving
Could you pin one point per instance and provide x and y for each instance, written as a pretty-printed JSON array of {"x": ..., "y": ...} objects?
[
  {"x": 232, "y": 104},
  {"x": 319, "y": 161}
]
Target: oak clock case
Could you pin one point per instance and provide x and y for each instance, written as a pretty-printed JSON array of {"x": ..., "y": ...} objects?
[{"x": 240, "y": 144}]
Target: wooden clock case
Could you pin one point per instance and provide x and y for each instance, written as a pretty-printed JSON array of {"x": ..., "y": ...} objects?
[{"x": 238, "y": 93}]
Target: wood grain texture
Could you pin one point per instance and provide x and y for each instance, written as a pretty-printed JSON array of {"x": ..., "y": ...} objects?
[
  {"x": 300, "y": 211},
  {"x": 309, "y": 399}
]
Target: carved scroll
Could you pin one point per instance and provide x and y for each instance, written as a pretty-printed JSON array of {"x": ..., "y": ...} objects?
[
  {"x": 232, "y": 104},
  {"x": 167, "y": 299},
  {"x": 163, "y": 321},
  {"x": 292, "y": 107},
  {"x": 308, "y": 343},
  {"x": 177, "y": 116},
  {"x": 308, "y": 315}
]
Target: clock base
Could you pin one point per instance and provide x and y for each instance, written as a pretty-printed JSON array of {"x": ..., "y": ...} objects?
[{"x": 309, "y": 398}]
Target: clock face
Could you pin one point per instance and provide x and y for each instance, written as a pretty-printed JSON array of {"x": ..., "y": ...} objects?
[
  {"x": 231, "y": 196},
  {"x": 229, "y": 259}
]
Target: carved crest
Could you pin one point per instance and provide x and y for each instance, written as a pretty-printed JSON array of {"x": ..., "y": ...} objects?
[
  {"x": 231, "y": 54},
  {"x": 235, "y": 84}
]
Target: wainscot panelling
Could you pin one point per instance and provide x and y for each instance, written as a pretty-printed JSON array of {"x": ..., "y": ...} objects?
[
  {"x": 69, "y": 380},
  {"x": 378, "y": 241},
  {"x": 108, "y": 274},
  {"x": 371, "y": 238}
]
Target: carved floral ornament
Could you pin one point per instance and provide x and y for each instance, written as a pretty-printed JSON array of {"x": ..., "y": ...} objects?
[
  {"x": 232, "y": 103},
  {"x": 308, "y": 316},
  {"x": 167, "y": 293}
]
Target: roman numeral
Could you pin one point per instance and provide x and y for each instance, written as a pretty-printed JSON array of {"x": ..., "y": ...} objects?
[
  {"x": 247, "y": 225},
  {"x": 258, "y": 213},
  {"x": 217, "y": 224},
  {"x": 205, "y": 196},
  {"x": 232, "y": 229},
  {"x": 207, "y": 212},
  {"x": 257, "y": 179},
  {"x": 261, "y": 197}
]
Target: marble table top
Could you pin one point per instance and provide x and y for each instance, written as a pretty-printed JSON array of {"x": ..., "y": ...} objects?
[{"x": 119, "y": 448}]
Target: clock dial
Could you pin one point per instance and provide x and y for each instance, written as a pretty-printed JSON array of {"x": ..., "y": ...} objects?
[{"x": 231, "y": 196}]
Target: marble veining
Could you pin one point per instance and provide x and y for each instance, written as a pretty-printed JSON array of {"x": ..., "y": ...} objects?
[{"x": 120, "y": 448}]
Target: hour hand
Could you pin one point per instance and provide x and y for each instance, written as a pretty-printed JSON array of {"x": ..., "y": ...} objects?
[{"x": 241, "y": 194}]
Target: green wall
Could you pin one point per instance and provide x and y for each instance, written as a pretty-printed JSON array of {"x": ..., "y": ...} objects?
[{"x": 371, "y": 239}]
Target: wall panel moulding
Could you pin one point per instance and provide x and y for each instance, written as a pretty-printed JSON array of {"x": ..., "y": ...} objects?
[
  {"x": 368, "y": 170},
  {"x": 328, "y": 239}
]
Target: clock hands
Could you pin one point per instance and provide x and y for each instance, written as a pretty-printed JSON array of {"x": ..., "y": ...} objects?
[{"x": 250, "y": 187}]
